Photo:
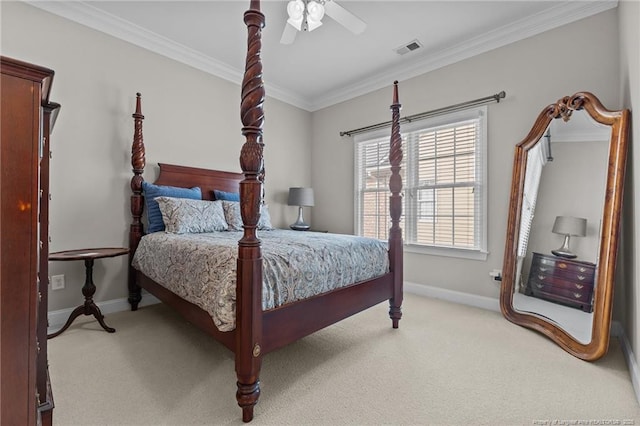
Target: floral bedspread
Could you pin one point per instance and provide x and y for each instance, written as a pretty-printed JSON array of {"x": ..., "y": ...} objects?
[{"x": 201, "y": 268}]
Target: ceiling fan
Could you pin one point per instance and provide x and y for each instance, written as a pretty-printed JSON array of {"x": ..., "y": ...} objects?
[{"x": 306, "y": 15}]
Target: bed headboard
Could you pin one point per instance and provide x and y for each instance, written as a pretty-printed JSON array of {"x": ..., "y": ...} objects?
[
  {"x": 207, "y": 180},
  {"x": 170, "y": 175}
]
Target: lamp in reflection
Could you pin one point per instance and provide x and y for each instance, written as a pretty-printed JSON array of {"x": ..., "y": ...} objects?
[{"x": 568, "y": 226}]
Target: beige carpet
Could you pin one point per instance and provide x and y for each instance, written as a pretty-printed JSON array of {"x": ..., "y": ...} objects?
[{"x": 447, "y": 364}]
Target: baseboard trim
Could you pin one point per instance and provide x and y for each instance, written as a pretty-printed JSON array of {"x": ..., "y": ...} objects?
[
  {"x": 483, "y": 302},
  {"x": 618, "y": 331},
  {"x": 58, "y": 318}
]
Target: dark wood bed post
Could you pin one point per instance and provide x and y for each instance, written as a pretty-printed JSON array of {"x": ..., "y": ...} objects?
[
  {"x": 249, "y": 277},
  {"x": 137, "y": 206},
  {"x": 395, "y": 210}
]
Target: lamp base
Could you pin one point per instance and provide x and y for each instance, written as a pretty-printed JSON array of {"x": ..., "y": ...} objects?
[
  {"x": 564, "y": 251},
  {"x": 565, "y": 254},
  {"x": 299, "y": 224}
]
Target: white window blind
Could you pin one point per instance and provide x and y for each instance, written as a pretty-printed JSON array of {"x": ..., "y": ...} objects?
[
  {"x": 536, "y": 160},
  {"x": 443, "y": 174},
  {"x": 372, "y": 182}
]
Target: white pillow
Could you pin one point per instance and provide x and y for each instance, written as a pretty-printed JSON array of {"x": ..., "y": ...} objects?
[{"x": 185, "y": 216}]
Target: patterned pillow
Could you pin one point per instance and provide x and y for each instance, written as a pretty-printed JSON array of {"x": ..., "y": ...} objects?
[
  {"x": 264, "y": 223},
  {"x": 234, "y": 217},
  {"x": 151, "y": 191},
  {"x": 184, "y": 216}
]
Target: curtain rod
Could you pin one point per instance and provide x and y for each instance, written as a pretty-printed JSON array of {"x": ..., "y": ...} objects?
[{"x": 410, "y": 118}]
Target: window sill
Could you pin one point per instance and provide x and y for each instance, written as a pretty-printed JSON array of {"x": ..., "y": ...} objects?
[{"x": 447, "y": 252}]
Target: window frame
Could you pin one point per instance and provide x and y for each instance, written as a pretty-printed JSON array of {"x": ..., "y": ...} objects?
[{"x": 476, "y": 253}]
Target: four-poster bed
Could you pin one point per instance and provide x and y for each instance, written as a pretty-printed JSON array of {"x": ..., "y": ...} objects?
[{"x": 259, "y": 330}]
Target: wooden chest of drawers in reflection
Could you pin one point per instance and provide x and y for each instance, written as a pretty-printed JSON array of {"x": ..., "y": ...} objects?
[{"x": 565, "y": 281}]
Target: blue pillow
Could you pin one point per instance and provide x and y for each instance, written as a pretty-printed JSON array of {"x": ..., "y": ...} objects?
[
  {"x": 151, "y": 191},
  {"x": 226, "y": 196}
]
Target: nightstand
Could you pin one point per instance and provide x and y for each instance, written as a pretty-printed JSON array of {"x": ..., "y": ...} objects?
[
  {"x": 89, "y": 288},
  {"x": 565, "y": 281}
]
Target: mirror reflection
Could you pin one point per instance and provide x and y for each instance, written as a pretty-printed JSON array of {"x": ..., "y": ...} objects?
[
  {"x": 560, "y": 225},
  {"x": 564, "y": 224}
]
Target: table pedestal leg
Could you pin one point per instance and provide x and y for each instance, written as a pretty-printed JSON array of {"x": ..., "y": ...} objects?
[{"x": 89, "y": 307}]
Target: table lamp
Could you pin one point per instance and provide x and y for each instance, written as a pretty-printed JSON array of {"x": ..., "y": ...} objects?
[
  {"x": 301, "y": 197},
  {"x": 568, "y": 226}
]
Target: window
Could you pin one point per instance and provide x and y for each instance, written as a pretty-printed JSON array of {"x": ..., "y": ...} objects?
[
  {"x": 537, "y": 157},
  {"x": 426, "y": 205},
  {"x": 443, "y": 184}
]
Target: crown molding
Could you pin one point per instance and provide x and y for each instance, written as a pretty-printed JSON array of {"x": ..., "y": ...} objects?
[
  {"x": 549, "y": 19},
  {"x": 83, "y": 13}
]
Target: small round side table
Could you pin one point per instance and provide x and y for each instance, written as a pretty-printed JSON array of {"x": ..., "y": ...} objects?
[{"x": 89, "y": 288}]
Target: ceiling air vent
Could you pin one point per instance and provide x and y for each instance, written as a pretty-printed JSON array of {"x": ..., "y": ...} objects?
[{"x": 409, "y": 47}]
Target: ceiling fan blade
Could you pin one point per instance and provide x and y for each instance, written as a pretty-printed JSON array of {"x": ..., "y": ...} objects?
[
  {"x": 344, "y": 17},
  {"x": 289, "y": 34}
]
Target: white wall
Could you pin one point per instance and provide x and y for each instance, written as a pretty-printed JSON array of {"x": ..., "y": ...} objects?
[
  {"x": 628, "y": 293},
  {"x": 563, "y": 192},
  {"x": 192, "y": 118},
  {"x": 534, "y": 73}
]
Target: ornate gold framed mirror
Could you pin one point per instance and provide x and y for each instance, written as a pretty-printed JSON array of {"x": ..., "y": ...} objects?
[{"x": 563, "y": 224}]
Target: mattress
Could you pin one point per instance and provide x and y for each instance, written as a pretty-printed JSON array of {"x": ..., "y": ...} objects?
[{"x": 201, "y": 268}]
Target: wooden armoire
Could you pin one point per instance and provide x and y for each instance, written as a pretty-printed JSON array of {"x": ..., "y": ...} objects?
[{"x": 27, "y": 117}]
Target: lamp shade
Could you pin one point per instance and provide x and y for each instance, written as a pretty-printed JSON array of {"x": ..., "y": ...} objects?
[
  {"x": 569, "y": 225},
  {"x": 301, "y": 197}
]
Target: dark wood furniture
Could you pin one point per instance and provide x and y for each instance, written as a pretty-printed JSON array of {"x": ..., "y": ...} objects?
[
  {"x": 89, "y": 288},
  {"x": 565, "y": 281},
  {"x": 27, "y": 120},
  {"x": 259, "y": 332}
]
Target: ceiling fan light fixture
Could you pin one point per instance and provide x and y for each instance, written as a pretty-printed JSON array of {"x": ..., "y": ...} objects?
[
  {"x": 307, "y": 15},
  {"x": 315, "y": 13},
  {"x": 296, "y": 23},
  {"x": 295, "y": 9},
  {"x": 312, "y": 25}
]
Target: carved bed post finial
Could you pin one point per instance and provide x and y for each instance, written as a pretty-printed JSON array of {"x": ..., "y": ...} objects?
[
  {"x": 249, "y": 277},
  {"x": 137, "y": 149},
  {"x": 395, "y": 210},
  {"x": 137, "y": 206}
]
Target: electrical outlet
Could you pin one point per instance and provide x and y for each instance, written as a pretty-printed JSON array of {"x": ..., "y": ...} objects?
[
  {"x": 496, "y": 274},
  {"x": 57, "y": 282}
]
